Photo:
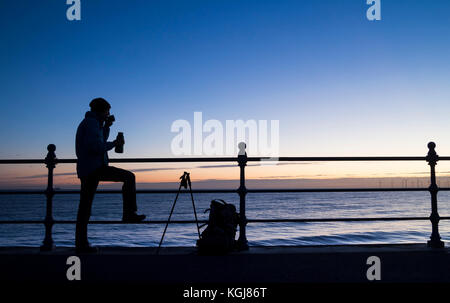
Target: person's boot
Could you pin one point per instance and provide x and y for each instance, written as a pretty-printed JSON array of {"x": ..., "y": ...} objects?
[{"x": 133, "y": 218}]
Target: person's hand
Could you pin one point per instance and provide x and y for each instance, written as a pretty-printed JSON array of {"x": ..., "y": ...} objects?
[
  {"x": 108, "y": 123},
  {"x": 119, "y": 141},
  {"x": 109, "y": 120}
]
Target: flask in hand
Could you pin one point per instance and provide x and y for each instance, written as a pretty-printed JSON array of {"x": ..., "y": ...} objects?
[{"x": 120, "y": 142}]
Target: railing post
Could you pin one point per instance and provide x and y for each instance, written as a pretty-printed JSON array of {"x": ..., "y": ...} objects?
[
  {"x": 242, "y": 191},
  {"x": 50, "y": 162},
  {"x": 435, "y": 238}
]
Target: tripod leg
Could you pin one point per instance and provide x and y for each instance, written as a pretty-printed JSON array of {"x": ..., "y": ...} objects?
[
  {"x": 168, "y": 220},
  {"x": 195, "y": 212}
]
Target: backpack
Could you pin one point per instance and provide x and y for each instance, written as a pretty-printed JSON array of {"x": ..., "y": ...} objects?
[{"x": 218, "y": 237}]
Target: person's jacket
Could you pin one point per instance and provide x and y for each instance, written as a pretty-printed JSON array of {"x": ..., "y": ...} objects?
[{"x": 91, "y": 144}]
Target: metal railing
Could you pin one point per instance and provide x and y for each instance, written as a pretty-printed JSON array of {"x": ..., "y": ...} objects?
[{"x": 50, "y": 160}]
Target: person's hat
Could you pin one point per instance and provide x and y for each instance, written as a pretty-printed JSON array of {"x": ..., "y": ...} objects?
[{"x": 99, "y": 105}]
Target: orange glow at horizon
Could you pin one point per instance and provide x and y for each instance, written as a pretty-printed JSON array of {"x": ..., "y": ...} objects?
[{"x": 65, "y": 174}]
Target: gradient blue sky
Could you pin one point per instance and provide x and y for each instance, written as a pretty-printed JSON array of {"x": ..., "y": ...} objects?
[{"x": 338, "y": 83}]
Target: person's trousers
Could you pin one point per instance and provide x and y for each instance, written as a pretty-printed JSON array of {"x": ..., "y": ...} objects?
[{"x": 89, "y": 187}]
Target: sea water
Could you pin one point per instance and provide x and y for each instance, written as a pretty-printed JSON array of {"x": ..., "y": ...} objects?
[{"x": 258, "y": 206}]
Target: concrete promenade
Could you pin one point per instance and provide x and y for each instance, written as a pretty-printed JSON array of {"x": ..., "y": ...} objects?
[{"x": 179, "y": 265}]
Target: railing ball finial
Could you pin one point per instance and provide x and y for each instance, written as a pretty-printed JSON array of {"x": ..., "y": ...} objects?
[
  {"x": 242, "y": 146},
  {"x": 50, "y": 159},
  {"x": 51, "y": 148},
  {"x": 431, "y": 148},
  {"x": 432, "y": 156}
]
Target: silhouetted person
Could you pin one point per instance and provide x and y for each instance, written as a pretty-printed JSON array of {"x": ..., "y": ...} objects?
[{"x": 92, "y": 167}]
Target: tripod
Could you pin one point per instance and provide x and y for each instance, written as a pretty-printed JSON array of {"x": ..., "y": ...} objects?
[{"x": 185, "y": 182}]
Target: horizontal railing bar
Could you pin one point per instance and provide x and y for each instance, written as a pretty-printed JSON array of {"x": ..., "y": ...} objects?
[
  {"x": 100, "y": 222},
  {"x": 310, "y": 159},
  {"x": 170, "y": 191},
  {"x": 229, "y": 159},
  {"x": 343, "y": 219},
  {"x": 310, "y": 190},
  {"x": 118, "y": 191},
  {"x": 22, "y": 161},
  {"x": 125, "y": 160},
  {"x": 249, "y": 220},
  {"x": 21, "y": 222}
]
